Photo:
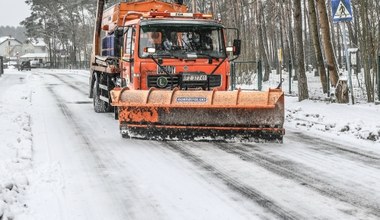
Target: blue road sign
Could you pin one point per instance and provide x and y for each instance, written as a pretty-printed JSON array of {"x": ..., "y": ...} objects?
[{"x": 341, "y": 10}]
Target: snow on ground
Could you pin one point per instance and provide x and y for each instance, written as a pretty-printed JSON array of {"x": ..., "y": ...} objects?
[
  {"x": 321, "y": 114},
  {"x": 15, "y": 147},
  {"x": 356, "y": 123}
]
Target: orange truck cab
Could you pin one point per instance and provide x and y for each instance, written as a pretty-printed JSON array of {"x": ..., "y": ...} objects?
[
  {"x": 175, "y": 52},
  {"x": 156, "y": 65},
  {"x": 153, "y": 44}
]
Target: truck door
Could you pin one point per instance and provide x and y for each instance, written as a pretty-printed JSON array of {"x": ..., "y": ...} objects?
[{"x": 127, "y": 60}]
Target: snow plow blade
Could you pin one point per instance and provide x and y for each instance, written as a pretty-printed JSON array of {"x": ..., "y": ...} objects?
[{"x": 200, "y": 115}]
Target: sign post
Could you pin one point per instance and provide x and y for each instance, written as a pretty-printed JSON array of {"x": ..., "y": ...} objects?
[
  {"x": 260, "y": 75},
  {"x": 342, "y": 12},
  {"x": 280, "y": 62}
]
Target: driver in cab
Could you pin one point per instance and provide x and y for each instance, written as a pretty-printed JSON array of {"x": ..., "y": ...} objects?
[{"x": 151, "y": 39}]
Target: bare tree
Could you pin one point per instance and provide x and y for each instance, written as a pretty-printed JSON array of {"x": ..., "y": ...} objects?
[
  {"x": 366, "y": 46},
  {"x": 317, "y": 46},
  {"x": 303, "y": 92},
  {"x": 327, "y": 43},
  {"x": 262, "y": 51}
]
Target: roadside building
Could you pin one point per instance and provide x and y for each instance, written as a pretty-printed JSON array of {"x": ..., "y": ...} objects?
[
  {"x": 35, "y": 50},
  {"x": 10, "y": 49},
  {"x": 10, "y": 46}
]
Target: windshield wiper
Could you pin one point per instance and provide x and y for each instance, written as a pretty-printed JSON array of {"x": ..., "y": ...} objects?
[
  {"x": 168, "y": 55},
  {"x": 210, "y": 57},
  {"x": 207, "y": 55}
]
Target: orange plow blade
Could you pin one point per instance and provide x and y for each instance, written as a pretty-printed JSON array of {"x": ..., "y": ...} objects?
[{"x": 200, "y": 115}]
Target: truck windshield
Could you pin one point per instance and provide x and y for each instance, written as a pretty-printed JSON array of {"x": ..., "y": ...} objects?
[{"x": 181, "y": 41}]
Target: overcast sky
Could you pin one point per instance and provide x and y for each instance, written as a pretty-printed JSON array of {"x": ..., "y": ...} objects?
[{"x": 12, "y": 12}]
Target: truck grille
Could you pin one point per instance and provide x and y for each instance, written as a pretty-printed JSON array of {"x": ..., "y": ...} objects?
[
  {"x": 152, "y": 81},
  {"x": 215, "y": 81}
]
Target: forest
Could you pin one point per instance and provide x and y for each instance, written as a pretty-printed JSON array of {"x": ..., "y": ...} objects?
[
  {"x": 16, "y": 32},
  {"x": 302, "y": 31}
]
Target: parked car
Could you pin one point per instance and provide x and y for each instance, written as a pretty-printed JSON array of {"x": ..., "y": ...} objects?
[
  {"x": 35, "y": 64},
  {"x": 47, "y": 65},
  {"x": 25, "y": 65}
]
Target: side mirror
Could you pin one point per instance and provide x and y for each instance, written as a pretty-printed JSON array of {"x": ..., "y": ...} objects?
[
  {"x": 237, "y": 47},
  {"x": 106, "y": 27}
]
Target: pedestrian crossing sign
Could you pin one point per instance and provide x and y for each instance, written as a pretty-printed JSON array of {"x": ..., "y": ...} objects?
[{"x": 341, "y": 10}]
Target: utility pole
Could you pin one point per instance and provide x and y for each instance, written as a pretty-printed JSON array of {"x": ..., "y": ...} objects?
[{"x": 348, "y": 63}]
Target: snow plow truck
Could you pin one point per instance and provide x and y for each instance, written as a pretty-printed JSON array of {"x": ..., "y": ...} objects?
[{"x": 165, "y": 73}]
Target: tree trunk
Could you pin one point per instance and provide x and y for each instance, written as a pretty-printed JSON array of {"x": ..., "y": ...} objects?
[
  {"x": 261, "y": 39},
  {"x": 194, "y": 6},
  {"x": 327, "y": 44},
  {"x": 303, "y": 92},
  {"x": 366, "y": 50},
  {"x": 290, "y": 38},
  {"x": 317, "y": 46}
]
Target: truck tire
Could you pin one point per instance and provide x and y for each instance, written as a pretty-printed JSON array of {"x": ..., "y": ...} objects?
[
  {"x": 109, "y": 107},
  {"x": 125, "y": 136},
  {"x": 99, "y": 105}
]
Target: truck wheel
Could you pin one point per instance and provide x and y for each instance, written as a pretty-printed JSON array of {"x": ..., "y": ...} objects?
[
  {"x": 109, "y": 107},
  {"x": 125, "y": 136},
  {"x": 99, "y": 105}
]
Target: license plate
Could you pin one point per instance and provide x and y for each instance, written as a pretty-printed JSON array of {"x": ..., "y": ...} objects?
[
  {"x": 194, "y": 77},
  {"x": 163, "y": 70}
]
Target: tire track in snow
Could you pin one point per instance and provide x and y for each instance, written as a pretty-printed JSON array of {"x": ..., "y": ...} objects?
[
  {"x": 92, "y": 150},
  {"x": 235, "y": 185},
  {"x": 361, "y": 155},
  {"x": 284, "y": 168},
  {"x": 76, "y": 88},
  {"x": 94, "y": 147},
  {"x": 297, "y": 172}
]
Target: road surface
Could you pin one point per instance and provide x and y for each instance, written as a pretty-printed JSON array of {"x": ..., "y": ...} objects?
[{"x": 84, "y": 169}]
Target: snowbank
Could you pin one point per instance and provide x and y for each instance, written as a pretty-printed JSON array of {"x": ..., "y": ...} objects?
[
  {"x": 359, "y": 121},
  {"x": 16, "y": 143}
]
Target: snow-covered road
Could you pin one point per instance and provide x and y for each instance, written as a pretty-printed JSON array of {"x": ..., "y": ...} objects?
[{"x": 80, "y": 167}]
